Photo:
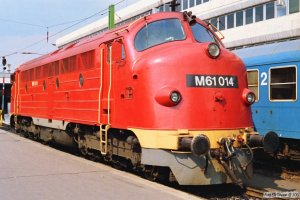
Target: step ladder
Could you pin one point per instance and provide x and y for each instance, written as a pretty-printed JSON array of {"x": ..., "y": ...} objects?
[{"x": 103, "y": 138}]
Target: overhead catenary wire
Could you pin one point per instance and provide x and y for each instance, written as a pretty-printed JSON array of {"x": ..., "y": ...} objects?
[
  {"x": 38, "y": 25},
  {"x": 49, "y": 36},
  {"x": 19, "y": 22},
  {"x": 58, "y": 32}
]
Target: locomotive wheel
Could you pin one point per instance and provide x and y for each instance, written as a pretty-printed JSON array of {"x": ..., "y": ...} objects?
[{"x": 84, "y": 152}]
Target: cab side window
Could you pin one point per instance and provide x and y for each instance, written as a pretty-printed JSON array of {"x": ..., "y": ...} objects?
[{"x": 123, "y": 52}]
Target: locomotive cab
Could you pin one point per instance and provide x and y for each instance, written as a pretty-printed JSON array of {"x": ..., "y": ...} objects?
[{"x": 192, "y": 101}]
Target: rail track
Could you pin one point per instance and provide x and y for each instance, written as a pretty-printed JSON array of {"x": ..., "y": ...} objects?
[
  {"x": 254, "y": 193},
  {"x": 231, "y": 191},
  {"x": 274, "y": 195},
  {"x": 285, "y": 169}
]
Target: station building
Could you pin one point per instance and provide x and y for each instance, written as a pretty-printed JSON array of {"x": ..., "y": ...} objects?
[{"x": 244, "y": 23}]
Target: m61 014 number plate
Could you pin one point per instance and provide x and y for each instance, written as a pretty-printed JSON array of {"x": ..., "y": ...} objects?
[{"x": 211, "y": 81}]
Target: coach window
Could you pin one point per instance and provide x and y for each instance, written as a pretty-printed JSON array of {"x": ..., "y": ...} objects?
[
  {"x": 253, "y": 82},
  {"x": 283, "y": 84},
  {"x": 159, "y": 32}
]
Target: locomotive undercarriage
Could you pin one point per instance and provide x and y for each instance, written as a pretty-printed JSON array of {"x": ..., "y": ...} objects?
[{"x": 123, "y": 148}]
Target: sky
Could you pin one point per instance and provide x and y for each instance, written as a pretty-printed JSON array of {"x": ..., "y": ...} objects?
[{"x": 23, "y": 24}]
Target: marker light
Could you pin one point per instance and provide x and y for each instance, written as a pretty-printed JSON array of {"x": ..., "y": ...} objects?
[
  {"x": 248, "y": 96},
  {"x": 175, "y": 97},
  {"x": 213, "y": 50}
]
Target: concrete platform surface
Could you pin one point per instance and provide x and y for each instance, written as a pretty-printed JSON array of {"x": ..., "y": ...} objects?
[{"x": 30, "y": 170}]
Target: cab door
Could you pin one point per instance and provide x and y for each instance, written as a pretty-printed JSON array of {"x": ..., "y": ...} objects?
[{"x": 110, "y": 54}]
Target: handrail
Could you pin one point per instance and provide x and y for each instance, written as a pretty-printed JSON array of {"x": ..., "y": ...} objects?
[
  {"x": 110, "y": 83},
  {"x": 101, "y": 85},
  {"x": 18, "y": 94}
]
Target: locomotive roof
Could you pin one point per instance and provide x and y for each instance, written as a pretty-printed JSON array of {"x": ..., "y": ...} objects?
[
  {"x": 88, "y": 44},
  {"x": 280, "y": 52},
  {"x": 85, "y": 45}
]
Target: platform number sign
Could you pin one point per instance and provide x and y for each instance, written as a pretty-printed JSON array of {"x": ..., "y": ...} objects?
[{"x": 264, "y": 78}]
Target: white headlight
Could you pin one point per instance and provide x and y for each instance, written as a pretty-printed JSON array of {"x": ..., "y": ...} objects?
[
  {"x": 175, "y": 97},
  {"x": 250, "y": 98},
  {"x": 213, "y": 50}
]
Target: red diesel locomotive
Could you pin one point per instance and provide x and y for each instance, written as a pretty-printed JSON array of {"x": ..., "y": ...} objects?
[{"x": 160, "y": 95}]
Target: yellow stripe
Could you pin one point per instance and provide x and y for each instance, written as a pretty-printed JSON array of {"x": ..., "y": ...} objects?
[{"x": 168, "y": 139}]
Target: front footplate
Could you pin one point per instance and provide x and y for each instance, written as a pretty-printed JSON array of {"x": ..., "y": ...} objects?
[{"x": 190, "y": 169}]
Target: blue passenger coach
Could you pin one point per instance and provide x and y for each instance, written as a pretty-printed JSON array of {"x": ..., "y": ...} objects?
[{"x": 272, "y": 71}]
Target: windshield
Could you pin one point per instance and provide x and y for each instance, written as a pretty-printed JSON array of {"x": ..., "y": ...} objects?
[
  {"x": 158, "y": 32},
  {"x": 202, "y": 34}
]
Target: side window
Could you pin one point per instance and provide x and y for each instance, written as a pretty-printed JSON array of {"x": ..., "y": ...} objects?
[
  {"x": 115, "y": 51},
  {"x": 253, "y": 82},
  {"x": 283, "y": 83},
  {"x": 123, "y": 52},
  {"x": 108, "y": 53},
  {"x": 202, "y": 34}
]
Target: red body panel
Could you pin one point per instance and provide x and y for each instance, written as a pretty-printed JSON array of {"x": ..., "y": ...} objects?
[{"x": 128, "y": 98}]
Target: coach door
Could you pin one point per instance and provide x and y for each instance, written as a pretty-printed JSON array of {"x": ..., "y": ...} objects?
[{"x": 110, "y": 54}]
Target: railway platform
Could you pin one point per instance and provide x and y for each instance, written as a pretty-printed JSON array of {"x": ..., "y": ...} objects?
[{"x": 30, "y": 170}]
